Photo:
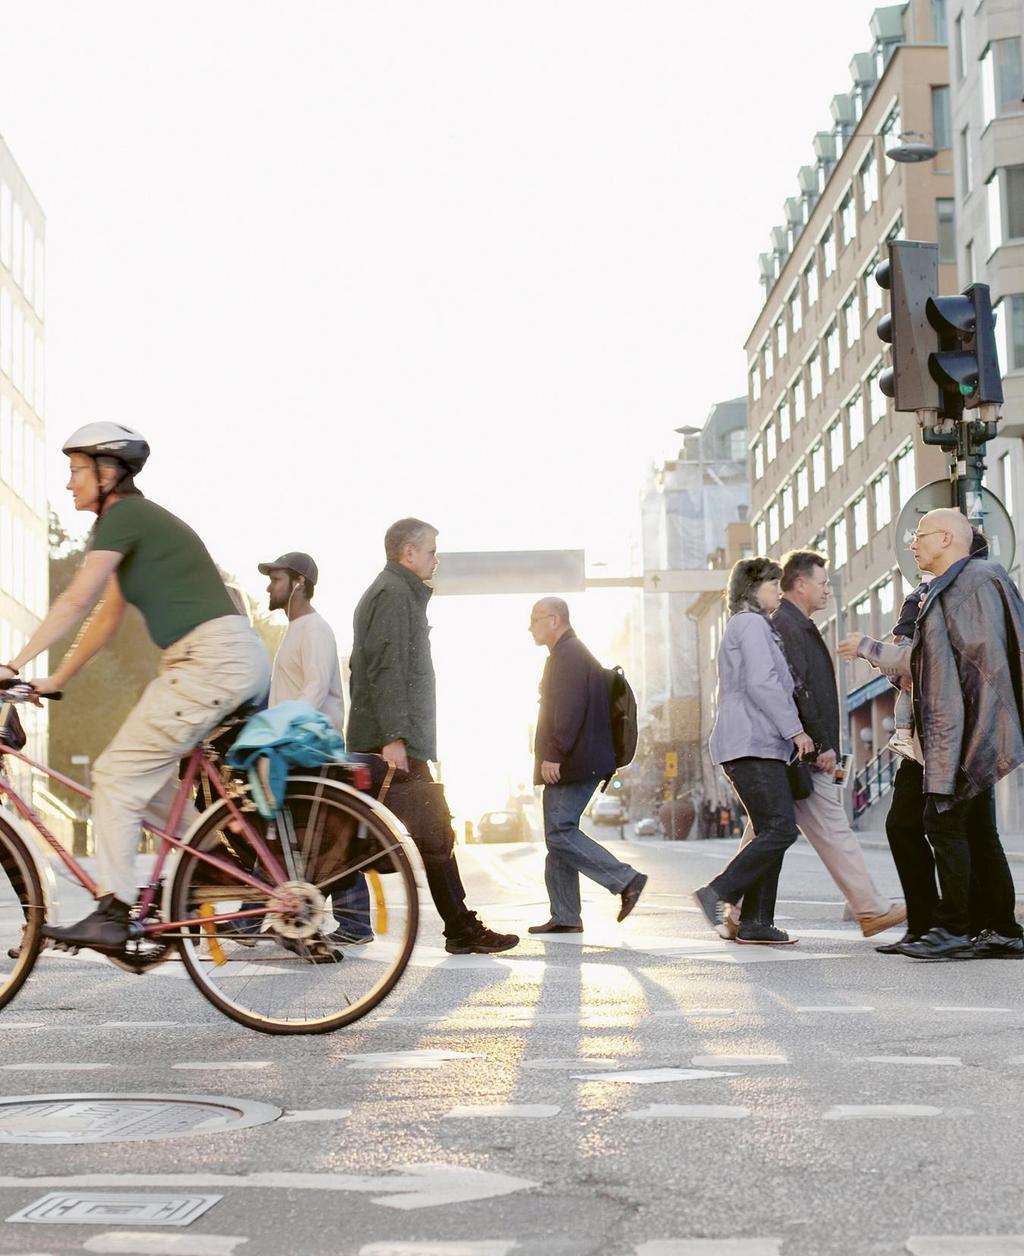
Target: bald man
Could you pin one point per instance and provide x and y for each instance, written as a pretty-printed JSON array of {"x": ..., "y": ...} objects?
[
  {"x": 574, "y": 753},
  {"x": 966, "y": 667}
]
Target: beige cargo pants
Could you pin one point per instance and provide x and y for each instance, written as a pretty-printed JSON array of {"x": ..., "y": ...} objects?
[{"x": 207, "y": 674}]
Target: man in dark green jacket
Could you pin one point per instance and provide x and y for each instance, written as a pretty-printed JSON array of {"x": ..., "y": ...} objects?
[{"x": 393, "y": 707}]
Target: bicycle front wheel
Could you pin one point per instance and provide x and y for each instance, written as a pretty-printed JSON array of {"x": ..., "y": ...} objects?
[
  {"x": 297, "y": 973},
  {"x": 21, "y": 913}
]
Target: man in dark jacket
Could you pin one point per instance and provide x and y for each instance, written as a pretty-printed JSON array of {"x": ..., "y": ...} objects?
[
  {"x": 393, "y": 704},
  {"x": 573, "y": 750},
  {"x": 966, "y": 667}
]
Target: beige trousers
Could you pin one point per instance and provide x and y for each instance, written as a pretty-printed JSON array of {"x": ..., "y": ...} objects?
[
  {"x": 207, "y": 674},
  {"x": 823, "y": 821}
]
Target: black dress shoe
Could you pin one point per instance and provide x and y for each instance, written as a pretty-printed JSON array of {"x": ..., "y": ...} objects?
[
  {"x": 991, "y": 945},
  {"x": 894, "y": 948},
  {"x": 939, "y": 943},
  {"x": 105, "y": 929},
  {"x": 630, "y": 895},
  {"x": 552, "y": 926}
]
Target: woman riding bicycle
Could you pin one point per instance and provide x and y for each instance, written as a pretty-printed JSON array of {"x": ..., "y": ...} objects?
[{"x": 212, "y": 660}]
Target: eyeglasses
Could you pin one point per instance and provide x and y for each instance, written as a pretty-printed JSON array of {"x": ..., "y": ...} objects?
[{"x": 917, "y": 536}]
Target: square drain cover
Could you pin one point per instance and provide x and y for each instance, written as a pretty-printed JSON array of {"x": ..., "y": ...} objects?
[{"x": 121, "y": 1208}]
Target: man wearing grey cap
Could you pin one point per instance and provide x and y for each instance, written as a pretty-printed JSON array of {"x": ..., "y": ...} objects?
[{"x": 306, "y": 669}]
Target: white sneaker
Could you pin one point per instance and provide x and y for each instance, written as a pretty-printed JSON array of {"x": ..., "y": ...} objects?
[{"x": 902, "y": 743}]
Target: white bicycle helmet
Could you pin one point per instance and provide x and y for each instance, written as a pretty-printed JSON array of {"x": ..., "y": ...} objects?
[{"x": 110, "y": 440}]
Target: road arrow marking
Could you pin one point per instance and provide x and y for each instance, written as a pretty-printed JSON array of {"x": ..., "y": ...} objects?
[{"x": 425, "y": 1186}]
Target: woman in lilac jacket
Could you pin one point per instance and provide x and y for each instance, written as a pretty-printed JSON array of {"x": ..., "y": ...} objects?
[{"x": 757, "y": 731}]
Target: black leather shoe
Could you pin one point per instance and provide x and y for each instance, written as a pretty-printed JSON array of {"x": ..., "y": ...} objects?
[
  {"x": 991, "y": 945},
  {"x": 552, "y": 926},
  {"x": 105, "y": 929},
  {"x": 939, "y": 943},
  {"x": 630, "y": 895},
  {"x": 894, "y": 948}
]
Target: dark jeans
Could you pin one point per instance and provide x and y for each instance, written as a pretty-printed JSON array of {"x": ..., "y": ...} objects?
[
  {"x": 969, "y": 857},
  {"x": 753, "y": 873},
  {"x": 443, "y": 879},
  {"x": 911, "y": 853}
]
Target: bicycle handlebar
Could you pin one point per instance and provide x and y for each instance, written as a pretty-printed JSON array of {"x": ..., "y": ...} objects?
[{"x": 22, "y": 691}]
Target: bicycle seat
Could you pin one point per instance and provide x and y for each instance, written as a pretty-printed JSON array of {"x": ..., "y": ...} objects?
[{"x": 234, "y": 719}]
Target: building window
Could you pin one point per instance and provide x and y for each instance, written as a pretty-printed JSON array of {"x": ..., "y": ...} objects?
[
  {"x": 851, "y": 320},
  {"x": 831, "y": 349},
  {"x": 969, "y": 261},
  {"x": 787, "y": 505},
  {"x": 881, "y": 500},
  {"x": 872, "y": 292},
  {"x": 795, "y": 310},
  {"x": 6, "y": 446},
  {"x": 855, "y": 420},
  {"x": 860, "y": 522},
  {"x": 905, "y": 477},
  {"x": 818, "y": 467},
  {"x": 768, "y": 358},
  {"x": 6, "y": 332},
  {"x": 941, "y": 136},
  {"x": 848, "y": 218},
  {"x": 836, "y": 452},
  {"x": 761, "y": 536},
  {"x": 966, "y": 164},
  {"x": 784, "y": 429},
  {"x": 758, "y": 460},
  {"x": 17, "y": 243},
  {"x": 1002, "y": 82},
  {"x": 868, "y": 175},
  {"x": 770, "y": 446},
  {"x": 738, "y": 445},
  {"x": 799, "y": 399},
  {"x": 839, "y": 543},
  {"x": 781, "y": 341},
  {"x": 1009, "y": 315},
  {"x": 828, "y": 251},
  {"x": 755, "y": 384},
  {"x": 860, "y": 615},
  {"x": 1006, "y": 482},
  {"x": 877, "y": 400},
  {"x": 803, "y": 491},
  {"x": 886, "y": 598},
  {"x": 945, "y": 219},
  {"x": 5, "y": 224},
  {"x": 1006, "y": 205},
  {"x": 773, "y": 523},
  {"x": 892, "y": 128},
  {"x": 811, "y": 281},
  {"x": 814, "y": 372},
  {"x": 960, "y": 45}
]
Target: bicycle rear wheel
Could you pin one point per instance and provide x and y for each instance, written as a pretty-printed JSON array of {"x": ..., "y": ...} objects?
[
  {"x": 280, "y": 974},
  {"x": 21, "y": 912}
]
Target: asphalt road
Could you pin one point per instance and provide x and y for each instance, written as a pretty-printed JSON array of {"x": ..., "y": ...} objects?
[{"x": 641, "y": 1088}]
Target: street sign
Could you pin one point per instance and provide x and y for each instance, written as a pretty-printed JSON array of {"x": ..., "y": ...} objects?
[
  {"x": 671, "y": 764},
  {"x": 985, "y": 510},
  {"x": 510, "y": 571}
]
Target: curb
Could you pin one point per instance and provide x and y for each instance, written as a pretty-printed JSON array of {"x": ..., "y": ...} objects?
[{"x": 1013, "y": 856}]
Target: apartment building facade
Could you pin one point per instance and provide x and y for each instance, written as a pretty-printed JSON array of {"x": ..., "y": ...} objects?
[
  {"x": 24, "y": 555},
  {"x": 832, "y": 462}
]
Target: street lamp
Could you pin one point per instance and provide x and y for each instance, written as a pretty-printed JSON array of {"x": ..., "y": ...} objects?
[{"x": 912, "y": 147}]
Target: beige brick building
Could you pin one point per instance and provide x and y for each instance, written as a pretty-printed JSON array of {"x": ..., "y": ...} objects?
[{"x": 832, "y": 462}]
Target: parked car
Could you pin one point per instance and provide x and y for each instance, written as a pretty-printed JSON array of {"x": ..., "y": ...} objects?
[
  {"x": 502, "y": 826},
  {"x": 607, "y": 810},
  {"x": 647, "y": 827}
]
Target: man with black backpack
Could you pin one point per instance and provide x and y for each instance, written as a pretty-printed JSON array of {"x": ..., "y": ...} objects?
[{"x": 575, "y": 748}]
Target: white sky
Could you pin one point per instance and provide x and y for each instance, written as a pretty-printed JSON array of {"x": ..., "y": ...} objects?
[{"x": 466, "y": 260}]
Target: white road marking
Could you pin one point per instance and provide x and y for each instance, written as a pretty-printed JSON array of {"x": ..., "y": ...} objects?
[
  {"x": 689, "y": 1112},
  {"x": 223, "y": 1065},
  {"x": 576, "y": 1062},
  {"x": 974, "y": 1009},
  {"x": 496, "y": 1247},
  {"x": 146, "y": 1243},
  {"x": 137, "y": 1024},
  {"x": 966, "y": 1245},
  {"x": 55, "y": 1066},
  {"x": 710, "y": 1247},
  {"x": 648, "y": 1077},
  {"x": 677, "y": 1013},
  {"x": 424, "y": 1186},
  {"x": 21, "y": 1025},
  {"x": 836, "y": 1008},
  {"x": 515, "y": 1111},
  {"x": 408, "y": 1059},
  {"x": 877, "y": 1111},
  {"x": 953, "y": 1060},
  {"x": 738, "y": 1060},
  {"x": 315, "y": 1114},
  {"x": 1016, "y": 1059}
]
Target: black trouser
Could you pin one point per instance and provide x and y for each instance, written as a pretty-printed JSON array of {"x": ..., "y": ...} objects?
[
  {"x": 443, "y": 879},
  {"x": 753, "y": 873},
  {"x": 971, "y": 863},
  {"x": 911, "y": 853}
]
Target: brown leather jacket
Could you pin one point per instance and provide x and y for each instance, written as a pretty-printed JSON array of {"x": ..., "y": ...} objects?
[{"x": 967, "y": 665}]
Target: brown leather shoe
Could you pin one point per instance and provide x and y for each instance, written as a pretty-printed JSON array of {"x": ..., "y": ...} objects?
[
  {"x": 552, "y": 926},
  {"x": 870, "y": 925}
]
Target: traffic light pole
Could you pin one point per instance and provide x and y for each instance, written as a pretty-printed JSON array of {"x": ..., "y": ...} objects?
[{"x": 965, "y": 440}]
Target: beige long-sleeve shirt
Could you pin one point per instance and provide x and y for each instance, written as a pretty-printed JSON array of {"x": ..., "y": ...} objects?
[{"x": 307, "y": 669}]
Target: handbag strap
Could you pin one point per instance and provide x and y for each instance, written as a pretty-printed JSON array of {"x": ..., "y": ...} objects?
[{"x": 389, "y": 777}]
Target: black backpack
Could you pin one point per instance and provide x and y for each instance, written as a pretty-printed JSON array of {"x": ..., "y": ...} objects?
[{"x": 622, "y": 705}]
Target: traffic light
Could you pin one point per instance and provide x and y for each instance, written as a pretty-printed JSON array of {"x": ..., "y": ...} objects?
[
  {"x": 911, "y": 277},
  {"x": 966, "y": 366}
]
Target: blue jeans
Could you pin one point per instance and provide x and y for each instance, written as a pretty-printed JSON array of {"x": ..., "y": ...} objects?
[
  {"x": 571, "y": 852},
  {"x": 351, "y": 909}
]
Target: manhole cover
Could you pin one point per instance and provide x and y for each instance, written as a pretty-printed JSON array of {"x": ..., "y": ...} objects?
[{"x": 59, "y": 1119}]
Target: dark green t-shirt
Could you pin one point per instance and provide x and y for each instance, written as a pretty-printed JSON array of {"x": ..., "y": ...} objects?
[{"x": 166, "y": 571}]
